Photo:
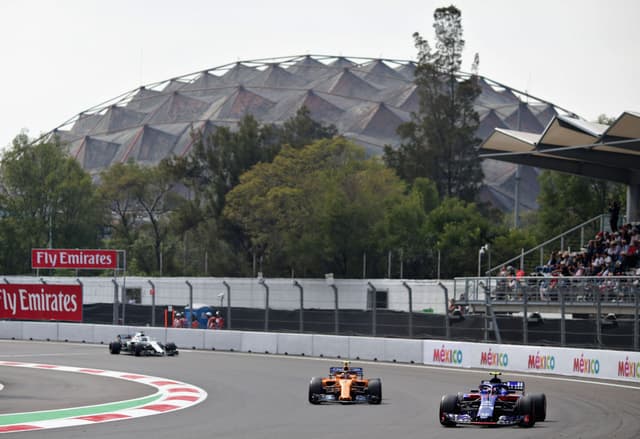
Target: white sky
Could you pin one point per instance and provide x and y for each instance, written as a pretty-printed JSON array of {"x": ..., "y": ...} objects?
[{"x": 62, "y": 57}]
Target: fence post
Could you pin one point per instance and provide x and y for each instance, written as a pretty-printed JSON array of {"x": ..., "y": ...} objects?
[
  {"x": 406, "y": 285},
  {"x": 190, "y": 319},
  {"x": 301, "y": 318},
  {"x": 153, "y": 303},
  {"x": 447, "y": 328},
  {"x": 374, "y": 305},
  {"x": 599, "y": 319},
  {"x": 525, "y": 316},
  {"x": 262, "y": 282},
  {"x": 563, "y": 323},
  {"x": 228, "y": 287},
  {"x": 115, "y": 302},
  {"x": 331, "y": 282},
  {"x": 635, "y": 321}
]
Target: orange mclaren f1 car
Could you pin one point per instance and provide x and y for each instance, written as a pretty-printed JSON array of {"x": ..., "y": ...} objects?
[{"x": 345, "y": 384}]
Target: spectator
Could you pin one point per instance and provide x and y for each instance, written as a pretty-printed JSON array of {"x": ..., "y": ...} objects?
[
  {"x": 219, "y": 321},
  {"x": 614, "y": 212},
  {"x": 454, "y": 308},
  {"x": 211, "y": 321},
  {"x": 178, "y": 321}
]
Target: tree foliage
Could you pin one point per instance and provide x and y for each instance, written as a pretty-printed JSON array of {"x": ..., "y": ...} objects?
[
  {"x": 458, "y": 229},
  {"x": 567, "y": 200},
  {"x": 46, "y": 199},
  {"x": 315, "y": 209},
  {"x": 439, "y": 142}
]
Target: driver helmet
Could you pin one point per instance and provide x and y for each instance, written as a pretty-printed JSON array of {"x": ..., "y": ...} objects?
[{"x": 208, "y": 314}]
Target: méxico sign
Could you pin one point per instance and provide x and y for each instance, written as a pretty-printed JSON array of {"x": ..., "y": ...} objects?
[
  {"x": 41, "y": 302},
  {"x": 81, "y": 259}
]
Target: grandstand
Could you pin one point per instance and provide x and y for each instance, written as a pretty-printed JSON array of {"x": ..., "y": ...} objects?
[
  {"x": 366, "y": 99},
  {"x": 607, "y": 152}
]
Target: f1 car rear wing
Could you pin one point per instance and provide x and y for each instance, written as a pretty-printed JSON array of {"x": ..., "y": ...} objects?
[{"x": 357, "y": 370}]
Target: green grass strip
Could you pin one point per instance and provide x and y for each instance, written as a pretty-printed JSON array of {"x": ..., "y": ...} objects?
[{"x": 48, "y": 415}]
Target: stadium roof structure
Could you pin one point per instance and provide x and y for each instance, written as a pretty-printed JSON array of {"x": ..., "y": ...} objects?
[
  {"x": 365, "y": 98},
  {"x": 607, "y": 152}
]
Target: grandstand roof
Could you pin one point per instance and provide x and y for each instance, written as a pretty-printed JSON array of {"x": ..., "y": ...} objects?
[
  {"x": 366, "y": 99},
  {"x": 574, "y": 146}
]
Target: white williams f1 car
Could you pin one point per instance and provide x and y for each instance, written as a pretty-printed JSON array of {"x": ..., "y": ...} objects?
[{"x": 139, "y": 344}]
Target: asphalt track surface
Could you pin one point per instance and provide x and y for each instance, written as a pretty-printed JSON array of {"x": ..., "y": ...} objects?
[{"x": 265, "y": 396}]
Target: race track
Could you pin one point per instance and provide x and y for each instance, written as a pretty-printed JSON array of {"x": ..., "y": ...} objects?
[{"x": 263, "y": 396}]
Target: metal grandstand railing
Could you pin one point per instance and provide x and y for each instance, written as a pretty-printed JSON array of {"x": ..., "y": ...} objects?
[
  {"x": 598, "y": 303},
  {"x": 573, "y": 239}
]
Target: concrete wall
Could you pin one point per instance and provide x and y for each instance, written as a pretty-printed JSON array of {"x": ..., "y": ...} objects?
[{"x": 586, "y": 363}]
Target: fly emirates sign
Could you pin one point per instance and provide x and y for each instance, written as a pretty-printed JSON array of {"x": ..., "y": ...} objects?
[
  {"x": 81, "y": 259},
  {"x": 41, "y": 302}
]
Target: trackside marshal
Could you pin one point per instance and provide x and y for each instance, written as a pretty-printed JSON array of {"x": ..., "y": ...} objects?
[
  {"x": 41, "y": 302},
  {"x": 74, "y": 259}
]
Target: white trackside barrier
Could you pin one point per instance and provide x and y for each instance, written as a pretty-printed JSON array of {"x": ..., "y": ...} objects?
[
  {"x": 295, "y": 344},
  {"x": 589, "y": 363}
]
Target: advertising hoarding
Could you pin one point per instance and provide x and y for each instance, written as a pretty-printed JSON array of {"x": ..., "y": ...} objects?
[
  {"x": 74, "y": 259},
  {"x": 41, "y": 302}
]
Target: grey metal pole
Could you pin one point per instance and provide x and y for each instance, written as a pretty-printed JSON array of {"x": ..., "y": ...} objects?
[
  {"x": 124, "y": 286},
  {"x": 266, "y": 304},
  {"x": 301, "y": 316},
  {"x": 635, "y": 321},
  {"x": 364, "y": 265},
  {"x": 487, "y": 309},
  {"x": 563, "y": 323},
  {"x": 406, "y": 285},
  {"x": 190, "y": 319},
  {"x": 447, "y": 327},
  {"x": 525, "y": 315},
  {"x": 115, "y": 302},
  {"x": 81, "y": 286},
  {"x": 336, "y": 326},
  {"x": 153, "y": 304},
  {"x": 598, "y": 319},
  {"x": 228, "y": 287},
  {"x": 374, "y": 307}
]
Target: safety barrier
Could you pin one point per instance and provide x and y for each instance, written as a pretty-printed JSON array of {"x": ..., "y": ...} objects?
[{"x": 589, "y": 363}]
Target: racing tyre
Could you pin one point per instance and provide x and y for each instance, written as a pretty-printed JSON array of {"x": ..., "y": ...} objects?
[
  {"x": 315, "y": 389},
  {"x": 114, "y": 347},
  {"x": 448, "y": 404},
  {"x": 137, "y": 350},
  {"x": 171, "y": 349},
  {"x": 539, "y": 406},
  {"x": 374, "y": 390},
  {"x": 526, "y": 409}
]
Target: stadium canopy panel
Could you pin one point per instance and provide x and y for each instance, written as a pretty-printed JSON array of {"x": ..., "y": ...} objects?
[
  {"x": 577, "y": 147},
  {"x": 366, "y": 99}
]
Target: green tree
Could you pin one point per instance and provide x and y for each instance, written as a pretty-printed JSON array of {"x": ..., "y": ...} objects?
[
  {"x": 458, "y": 229},
  {"x": 214, "y": 168},
  {"x": 301, "y": 130},
  {"x": 117, "y": 191},
  {"x": 141, "y": 200},
  {"x": 315, "y": 209},
  {"x": 46, "y": 199},
  {"x": 567, "y": 200},
  {"x": 439, "y": 142}
]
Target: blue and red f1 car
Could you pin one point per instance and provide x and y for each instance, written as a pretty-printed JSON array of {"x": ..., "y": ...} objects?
[{"x": 495, "y": 402}]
